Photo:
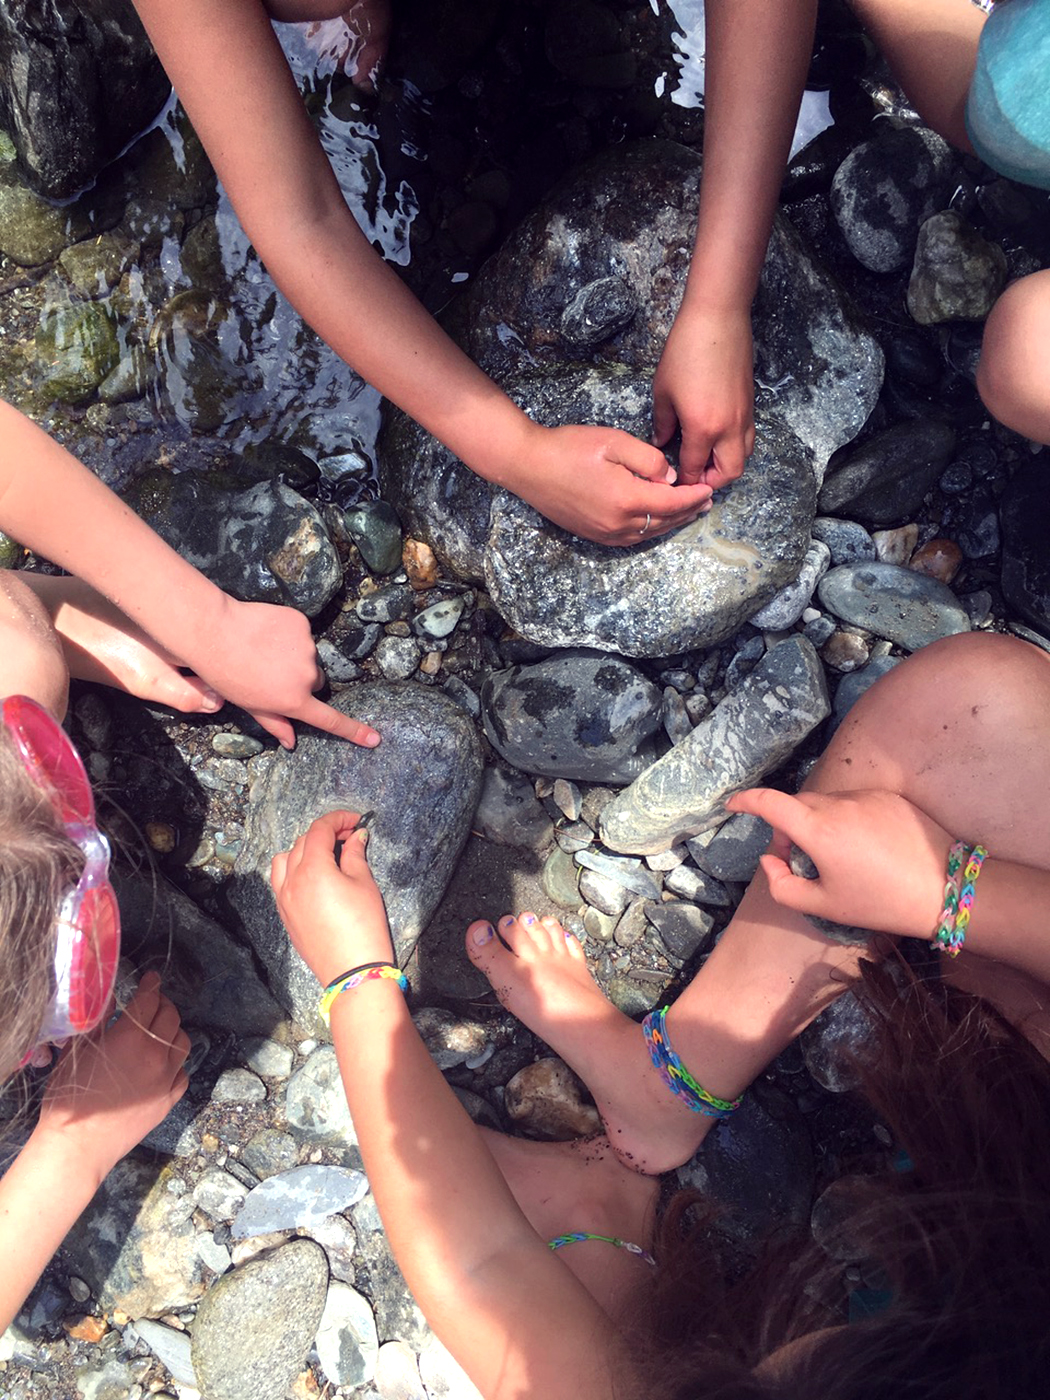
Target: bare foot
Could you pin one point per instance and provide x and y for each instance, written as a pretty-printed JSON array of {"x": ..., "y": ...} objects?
[
  {"x": 540, "y": 974},
  {"x": 566, "y": 1186},
  {"x": 102, "y": 644}
]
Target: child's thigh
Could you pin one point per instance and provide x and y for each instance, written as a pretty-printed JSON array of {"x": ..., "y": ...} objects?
[
  {"x": 32, "y": 661},
  {"x": 1013, "y": 376},
  {"x": 300, "y": 11},
  {"x": 961, "y": 729}
]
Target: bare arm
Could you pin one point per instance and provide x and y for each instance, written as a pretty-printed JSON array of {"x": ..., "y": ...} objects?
[
  {"x": 258, "y": 656},
  {"x": 100, "y": 1101},
  {"x": 757, "y": 57},
  {"x": 231, "y": 75},
  {"x": 510, "y": 1312}
]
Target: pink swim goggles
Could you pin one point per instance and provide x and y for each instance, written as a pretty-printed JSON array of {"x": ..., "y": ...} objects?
[{"x": 87, "y": 926}]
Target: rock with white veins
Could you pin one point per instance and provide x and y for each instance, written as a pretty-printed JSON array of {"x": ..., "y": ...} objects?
[{"x": 755, "y": 729}]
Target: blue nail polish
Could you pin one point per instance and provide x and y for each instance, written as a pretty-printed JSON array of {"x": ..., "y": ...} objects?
[
  {"x": 528, "y": 919},
  {"x": 485, "y": 934}
]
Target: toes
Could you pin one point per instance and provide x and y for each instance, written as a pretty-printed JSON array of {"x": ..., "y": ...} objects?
[{"x": 482, "y": 944}]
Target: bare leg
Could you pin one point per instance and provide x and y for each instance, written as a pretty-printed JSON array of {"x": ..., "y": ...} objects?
[
  {"x": 962, "y": 730},
  {"x": 1012, "y": 376},
  {"x": 931, "y": 46},
  {"x": 567, "y": 1186}
]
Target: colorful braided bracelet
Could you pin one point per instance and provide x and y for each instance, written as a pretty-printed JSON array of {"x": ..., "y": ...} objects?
[
  {"x": 675, "y": 1075},
  {"x": 578, "y": 1237},
  {"x": 964, "y": 866},
  {"x": 367, "y": 972}
]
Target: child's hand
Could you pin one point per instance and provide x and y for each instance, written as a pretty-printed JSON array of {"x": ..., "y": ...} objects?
[
  {"x": 262, "y": 657},
  {"x": 110, "y": 1088},
  {"x": 604, "y": 485},
  {"x": 882, "y": 861},
  {"x": 333, "y": 913},
  {"x": 704, "y": 383}
]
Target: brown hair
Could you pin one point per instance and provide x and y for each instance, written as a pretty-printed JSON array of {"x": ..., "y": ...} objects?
[
  {"x": 961, "y": 1239},
  {"x": 38, "y": 863}
]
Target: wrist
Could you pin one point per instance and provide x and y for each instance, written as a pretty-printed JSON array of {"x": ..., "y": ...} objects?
[
  {"x": 60, "y": 1152},
  {"x": 509, "y": 442}
]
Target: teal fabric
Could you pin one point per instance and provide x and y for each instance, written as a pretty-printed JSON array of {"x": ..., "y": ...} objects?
[{"x": 1008, "y": 107}]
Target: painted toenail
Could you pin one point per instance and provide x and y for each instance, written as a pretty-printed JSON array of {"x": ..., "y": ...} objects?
[
  {"x": 528, "y": 919},
  {"x": 568, "y": 933},
  {"x": 484, "y": 933},
  {"x": 506, "y": 921}
]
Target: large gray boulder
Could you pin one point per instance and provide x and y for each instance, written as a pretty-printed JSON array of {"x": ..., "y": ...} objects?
[
  {"x": 78, "y": 80},
  {"x": 598, "y": 272},
  {"x": 422, "y": 783},
  {"x": 667, "y": 595}
]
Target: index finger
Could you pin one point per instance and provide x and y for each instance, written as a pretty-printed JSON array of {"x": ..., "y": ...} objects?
[
  {"x": 783, "y": 813},
  {"x": 332, "y": 721}
]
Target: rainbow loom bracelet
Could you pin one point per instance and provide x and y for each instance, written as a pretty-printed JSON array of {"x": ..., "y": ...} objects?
[
  {"x": 949, "y": 913},
  {"x": 578, "y": 1237},
  {"x": 966, "y": 897},
  {"x": 349, "y": 980},
  {"x": 674, "y": 1073}
]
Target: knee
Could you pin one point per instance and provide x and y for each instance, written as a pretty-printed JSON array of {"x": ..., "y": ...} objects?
[
  {"x": 1012, "y": 377},
  {"x": 33, "y": 661}
]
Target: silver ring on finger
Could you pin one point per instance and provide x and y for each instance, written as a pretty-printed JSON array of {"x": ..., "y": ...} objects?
[{"x": 648, "y": 522}]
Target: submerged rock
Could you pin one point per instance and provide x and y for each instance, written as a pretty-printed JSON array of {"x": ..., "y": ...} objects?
[
  {"x": 617, "y": 234},
  {"x": 752, "y": 731},
  {"x": 422, "y": 782},
  {"x": 957, "y": 274}
]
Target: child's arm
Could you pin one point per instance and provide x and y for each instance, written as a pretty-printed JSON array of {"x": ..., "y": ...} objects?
[
  {"x": 757, "y": 57},
  {"x": 105, "y": 1095},
  {"x": 509, "y": 1311},
  {"x": 255, "y": 655},
  {"x": 232, "y": 78},
  {"x": 883, "y": 862}
]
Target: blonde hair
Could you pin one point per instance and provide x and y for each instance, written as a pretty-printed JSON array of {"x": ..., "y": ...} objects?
[{"x": 38, "y": 864}]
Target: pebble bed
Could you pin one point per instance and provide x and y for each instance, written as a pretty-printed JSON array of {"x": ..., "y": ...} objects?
[{"x": 239, "y": 1253}]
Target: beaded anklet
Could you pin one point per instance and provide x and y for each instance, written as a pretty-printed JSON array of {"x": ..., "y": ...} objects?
[
  {"x": 674, "y": 1073},
  {"x": 354, "y": 978},
  {"x": 578, "y": 1236}
]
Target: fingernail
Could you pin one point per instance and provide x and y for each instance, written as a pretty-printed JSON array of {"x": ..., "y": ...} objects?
[
  {"x": 672, "y": 476},
  {"x": 212, "y": 700},
  {"x": 484, "y": 933},
  {"x": 363, "y": 836},
  {"x": 371, "y": 739}
]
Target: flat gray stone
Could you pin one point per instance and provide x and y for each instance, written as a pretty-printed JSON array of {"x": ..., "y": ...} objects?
[
  {"x": 755, "y": 729},
  {"x": 171, "y": 1347},
  {"x": 510, "y": 813},
  {"x": 298, "y": 1199},
  {"x": 734, "y": 849},
  {"x": 905, "y": 607},
  {"x": 347, "y": 1343},
  {"x": 315, "y": 1101},
  {"x": 786, "y": 607}
]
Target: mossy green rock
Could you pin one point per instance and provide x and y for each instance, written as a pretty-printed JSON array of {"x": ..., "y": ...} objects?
[
  {"x": 32, "y": 231},
  {"x": 77, "y": 346},
  {"x": 96, "y": 265}
]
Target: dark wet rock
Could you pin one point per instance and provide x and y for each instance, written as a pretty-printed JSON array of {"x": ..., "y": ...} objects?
[
  {"x": 786, "y": 607},
  {"x": 886, "y": 479},
  {"x": 848, "y": 542},
  {"x": 283, "y": 1294},
  {"x": 1026, "y": 542},
  {"x": 732, "y": 852},
  {"x": 631, "y": 214},
  {"x": 597, "y": 312},
  {"x": 76, "y": 347},
  {"x": 298, "y": 1199},
  {"x": 422, "y": 782},
  {"x": 208, "y": 974},
  {"x": 376, "y": 530},
  {"x": 957, "y": 274},
  {"x": 32, "y": 231},
  {"x": 853, "y": 686},
  {"x": 751, "y": 732},
  {"x": 662, "y": 596},
  {"x": 912, "y": 358},
  {"x": 136, "y": 1244},
  {"x": 758, "y": 1165},
  {"x": 576, "y": 715},
  {"x": 95, "y": 266},
  {"x": 266, "y": 544},
  {"x": 885, "y": 189},
  {"x": 907, "y": 608},
  {"x": 78, "y": 79},
  {"x": 974, "y": 523},
  {"x": 546, "y": 1100},
  {"x": 509, "y": 812},
  {"x": 683, "y": 928},
  {"x": 394, "y": 603}
]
